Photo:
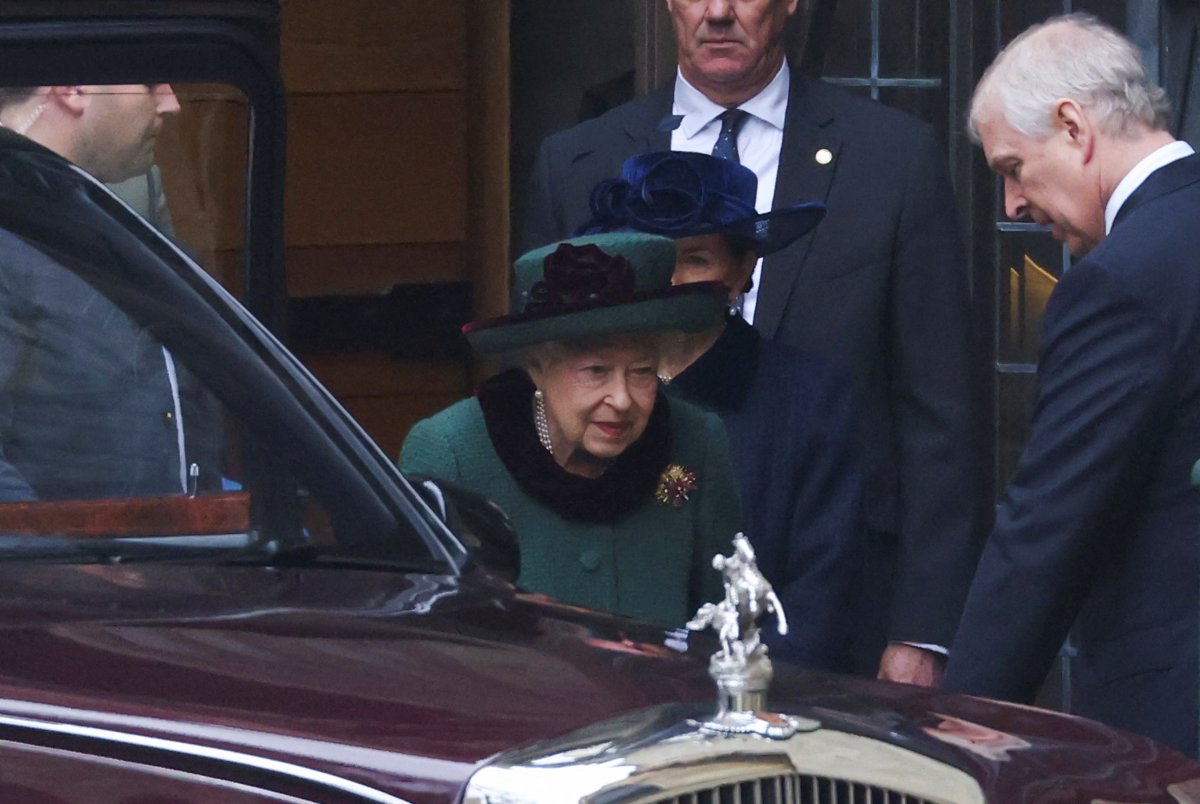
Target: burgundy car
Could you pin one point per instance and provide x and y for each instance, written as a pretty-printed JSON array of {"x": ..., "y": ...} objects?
[{"x": 293, "y": 619}]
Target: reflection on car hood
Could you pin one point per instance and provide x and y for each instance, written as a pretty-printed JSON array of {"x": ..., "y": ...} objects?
[{"x": 405, "y": 683}]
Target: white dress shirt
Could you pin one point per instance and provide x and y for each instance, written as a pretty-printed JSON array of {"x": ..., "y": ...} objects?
[
  {"x": 758, "y": 140},
  {"x": 1141, "y": 171}
]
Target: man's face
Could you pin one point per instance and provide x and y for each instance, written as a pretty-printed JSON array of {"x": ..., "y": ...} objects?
[
  {"x": 1046, "y": 181},
  {"x": 730, "y": 46},
  {"x": 122, "y": 126}
]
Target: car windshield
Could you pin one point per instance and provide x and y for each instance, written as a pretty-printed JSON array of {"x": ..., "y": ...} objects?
[{"x": 143, "y": 413}]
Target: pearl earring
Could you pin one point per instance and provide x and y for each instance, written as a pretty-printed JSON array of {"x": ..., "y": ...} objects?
[{"x": 539, "y": 420}]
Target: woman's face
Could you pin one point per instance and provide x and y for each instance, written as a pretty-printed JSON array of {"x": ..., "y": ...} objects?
[
  {"x": 709, "y": 258},
  {"x": 598, "y": 400}
]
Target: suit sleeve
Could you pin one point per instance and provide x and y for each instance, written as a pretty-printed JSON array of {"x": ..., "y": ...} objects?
[
  {"x": 16, "y": 334},
  {"x": 540, "y": 213},
  {"x": 1105, "y": 379},
  {"x": 933, "y": 397},
  {"x": 824, "y": 531}
]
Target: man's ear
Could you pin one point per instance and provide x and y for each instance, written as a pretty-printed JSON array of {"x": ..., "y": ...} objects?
[
  {"x": 1075, "y": 124},
  {"x": 71, "y": 99}
]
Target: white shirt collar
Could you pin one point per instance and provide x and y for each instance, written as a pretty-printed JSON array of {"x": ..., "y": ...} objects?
[
  {"x": 769, "y": 105},
  {"x": 1141, "y": 171}
]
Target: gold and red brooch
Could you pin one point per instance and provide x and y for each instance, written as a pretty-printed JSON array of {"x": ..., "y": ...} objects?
[{"x": 675, "y": 484}]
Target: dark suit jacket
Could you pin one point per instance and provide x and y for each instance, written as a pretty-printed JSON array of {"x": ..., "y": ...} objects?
[
  {"x": 87, "y": 404},
  {"x": 1099, "y": 524},
  {"x": 790, "y": 419},
  {"x": 879, "y": 287}
]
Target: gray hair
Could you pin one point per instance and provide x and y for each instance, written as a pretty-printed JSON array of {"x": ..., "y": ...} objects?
[
  {"x": 545, "y": 354},
  {"x": 1072, "y": 56}
]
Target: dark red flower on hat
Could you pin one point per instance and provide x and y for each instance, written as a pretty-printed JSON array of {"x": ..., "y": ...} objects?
[{"x": 581, "y": 276}]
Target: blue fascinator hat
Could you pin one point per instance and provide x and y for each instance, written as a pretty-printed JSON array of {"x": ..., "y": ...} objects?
[{"x": 679, "y": 194}]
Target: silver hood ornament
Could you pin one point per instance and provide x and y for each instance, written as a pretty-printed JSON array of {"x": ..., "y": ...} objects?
[{"x": 741, "y": 667}]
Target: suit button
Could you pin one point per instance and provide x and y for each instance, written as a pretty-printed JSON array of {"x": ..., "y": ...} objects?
[
  {"x": 591, "y": 559},
  {"x": 169, "y": 418}
]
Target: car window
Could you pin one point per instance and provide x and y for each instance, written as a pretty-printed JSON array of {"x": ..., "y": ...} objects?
[
  {"x": 143, "y": 413},
  {"x": 194, "y": 191},
  {"x": 107, "y": 433}
]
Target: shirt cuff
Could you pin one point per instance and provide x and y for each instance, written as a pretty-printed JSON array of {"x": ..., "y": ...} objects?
[{"x": 929, "y": 646}]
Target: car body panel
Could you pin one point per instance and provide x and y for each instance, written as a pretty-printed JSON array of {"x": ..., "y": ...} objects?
[
  {"x": 36, "y": 774},
  {"x": 406, "y": 683}
]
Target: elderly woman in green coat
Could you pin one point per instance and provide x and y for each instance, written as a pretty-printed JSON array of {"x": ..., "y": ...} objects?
[{"x": 620, "y": 495}]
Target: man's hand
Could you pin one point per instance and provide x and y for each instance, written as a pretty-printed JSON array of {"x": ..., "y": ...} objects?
[{"x": 911, "y": 665}]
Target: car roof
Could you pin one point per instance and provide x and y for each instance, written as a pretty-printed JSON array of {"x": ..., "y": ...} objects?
[{"x": 267, "y": 10}]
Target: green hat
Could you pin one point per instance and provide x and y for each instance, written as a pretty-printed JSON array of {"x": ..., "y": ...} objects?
[{"x": 604, "y": 284}]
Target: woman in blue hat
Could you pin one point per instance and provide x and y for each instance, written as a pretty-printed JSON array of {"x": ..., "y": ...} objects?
[
  {"x": 790, "y": 416},
  {"x": 620, "y": 497}
]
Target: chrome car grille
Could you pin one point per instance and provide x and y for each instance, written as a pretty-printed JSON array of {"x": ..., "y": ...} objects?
[
  {"x": 664, "y": 755},
  {"x": 794, "y": 788}
]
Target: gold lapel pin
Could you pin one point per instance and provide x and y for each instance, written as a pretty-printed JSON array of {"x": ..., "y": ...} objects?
[{"x": 823, "y": 156}]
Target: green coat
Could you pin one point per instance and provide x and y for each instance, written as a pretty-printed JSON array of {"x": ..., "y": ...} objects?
[{"x": 655, "y": 564}]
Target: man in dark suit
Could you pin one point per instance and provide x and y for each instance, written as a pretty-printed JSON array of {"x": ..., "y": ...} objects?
[
  {"x": 91, "y": 404},
  {"x": 879, "y": 287},
  {"x": 1098, "y": 527}
]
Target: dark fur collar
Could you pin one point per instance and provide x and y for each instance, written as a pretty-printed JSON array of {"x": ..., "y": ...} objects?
[{"x": 629, "y": 483}]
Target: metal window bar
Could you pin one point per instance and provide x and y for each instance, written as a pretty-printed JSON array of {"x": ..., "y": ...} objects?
[{"x": 875, "y": 80}]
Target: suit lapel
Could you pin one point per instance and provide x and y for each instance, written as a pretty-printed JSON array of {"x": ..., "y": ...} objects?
[
  {"x": 598, "y": 147},
  {"x": 807, "y": 130},
  {"x": 645, "y": 130}
]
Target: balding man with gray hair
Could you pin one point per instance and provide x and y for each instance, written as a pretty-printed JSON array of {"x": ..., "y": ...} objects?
[{"x": 1097, "y": 531}]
